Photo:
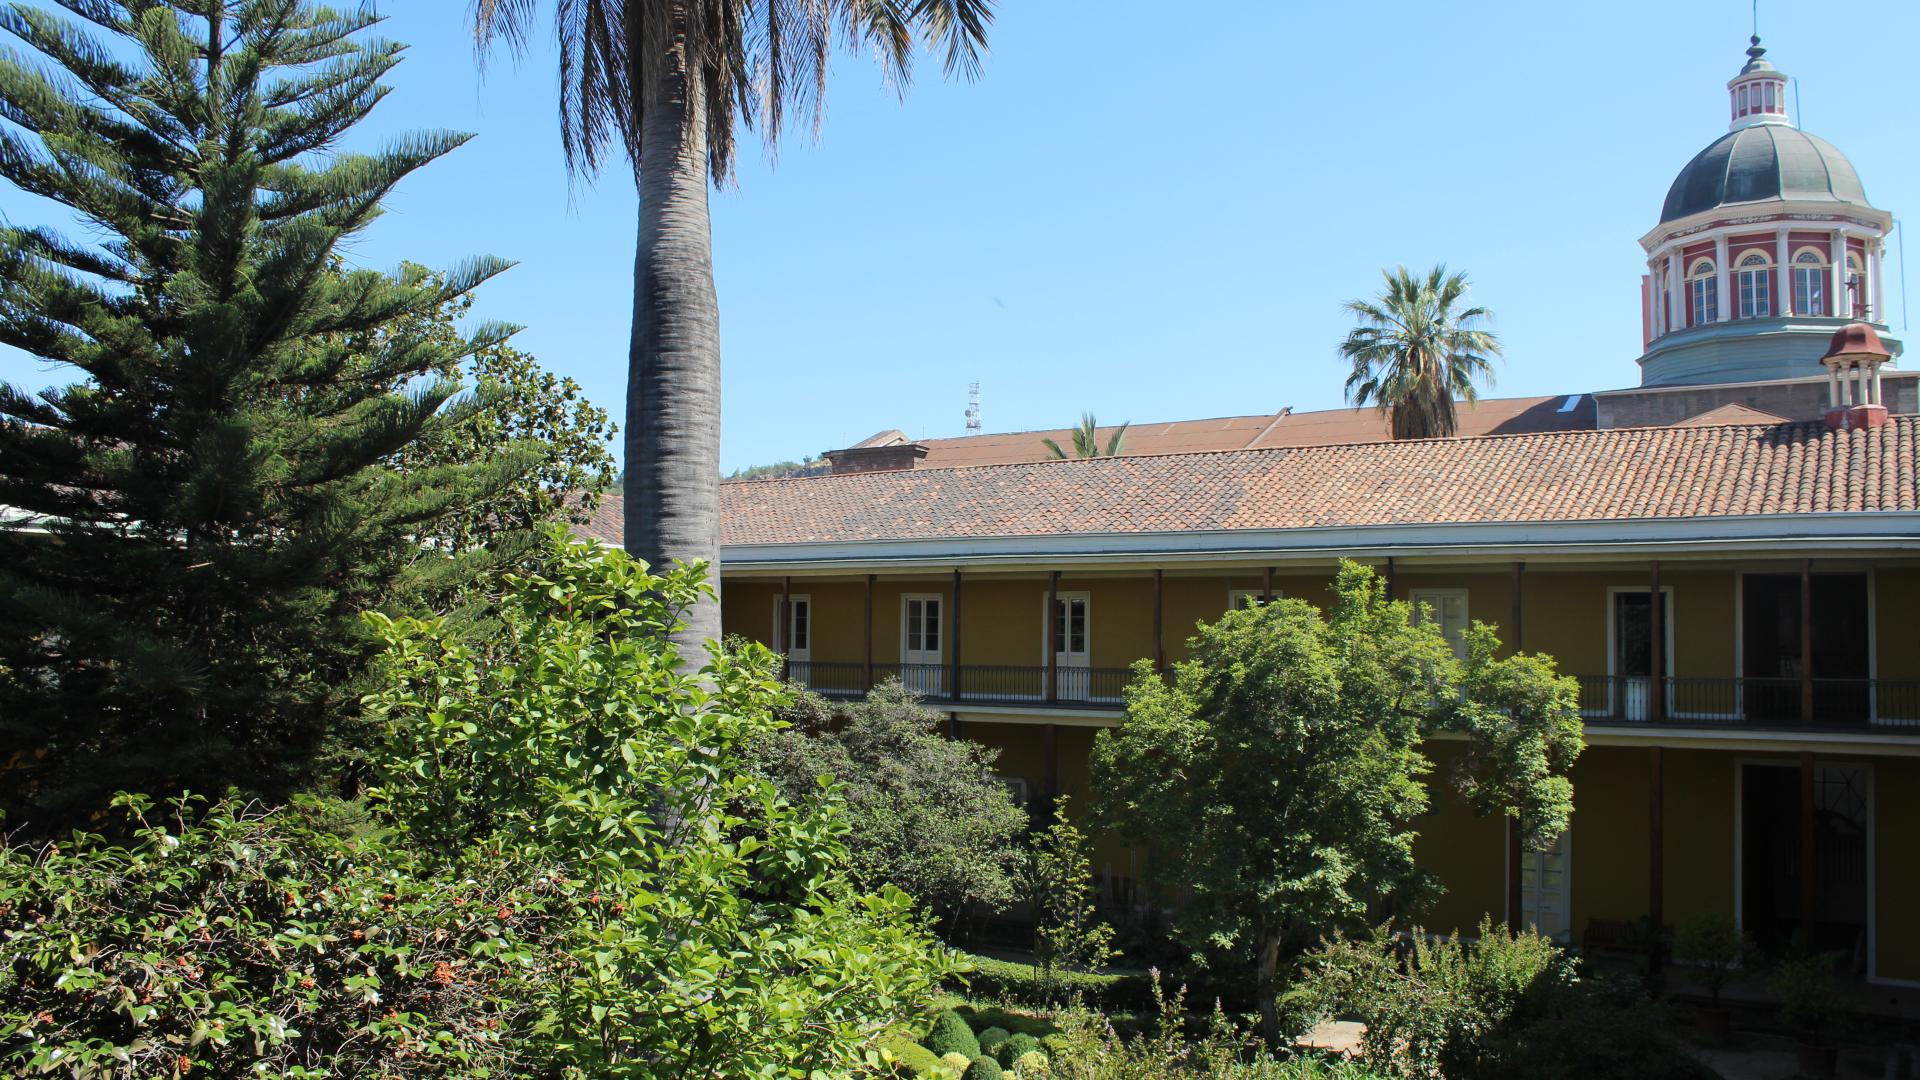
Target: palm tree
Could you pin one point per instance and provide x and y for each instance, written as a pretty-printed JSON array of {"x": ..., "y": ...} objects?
[
  {"x": 1413, "y": 354},
  {"x": 665, "y": 84},
  {"x": 1086, "y": 441}
]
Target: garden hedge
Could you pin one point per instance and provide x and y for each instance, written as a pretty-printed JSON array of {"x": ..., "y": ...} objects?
[
  {"x": 1022, "y": 982},
  {"x": 951, "y": 1035},
  {"x": 1014, "y": 1048},
  {"x": 984, "y": 1068}
]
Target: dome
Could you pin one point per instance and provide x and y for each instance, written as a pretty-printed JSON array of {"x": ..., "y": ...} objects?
[{"x": 1761, "y": 162}]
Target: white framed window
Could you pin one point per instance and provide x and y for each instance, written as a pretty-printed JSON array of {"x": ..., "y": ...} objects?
[
  {"x": 1016, "y": 789},
  {"x": 1706, "y": 293},
  {"x": 1853, "y": 294},
  {"x": 920, "y": 628},
  {"x": 1809, "y": 282},
  {"x": 1756, "y": 286},
  {"x": 1072, "y": 630},
  {"x": 794, "y": 635},
  {"x": 1239, "y": 598},
  {"x": 1546, "y": 883},
  {"x": 1448, "y": 608}
]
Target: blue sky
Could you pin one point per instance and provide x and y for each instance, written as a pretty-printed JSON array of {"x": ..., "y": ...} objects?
[{"x": 1144, "y": 217}]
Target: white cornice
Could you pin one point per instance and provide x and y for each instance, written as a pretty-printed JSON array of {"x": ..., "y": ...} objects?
[
  {"x": 1733, "y": 218},
  {"x": 1764, "y": 534}
]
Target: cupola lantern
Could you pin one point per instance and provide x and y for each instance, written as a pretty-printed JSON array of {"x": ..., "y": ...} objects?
[
  {"x": 1759, "y": 92},
  {"x": 1853, "y": 361}
]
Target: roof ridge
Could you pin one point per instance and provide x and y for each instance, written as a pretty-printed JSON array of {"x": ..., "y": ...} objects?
[{"x": 1387, "y": 444}]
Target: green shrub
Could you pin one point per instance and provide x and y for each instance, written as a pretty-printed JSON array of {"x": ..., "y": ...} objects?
[
  {"x": 1055, "y": 1044},
  {"x": 991, "y": 1038},
  {"x": 992, "y": 978},
  {"x": 984, "y": 1068},
  {"x": 1015, "y": 1046},
  {"x": 957, "y": 1063},
  {"x": 983, "y": 1017},
  {"x": 951, "y": 1035},
  {"x": 910, "y": 1059},
  {"x": 1031, "y": 1065}
]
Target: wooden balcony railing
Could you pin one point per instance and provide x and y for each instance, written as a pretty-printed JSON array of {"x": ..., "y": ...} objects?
[
  {"x": 978, "y": 684},
  {"x": 1891, "y": 705}
]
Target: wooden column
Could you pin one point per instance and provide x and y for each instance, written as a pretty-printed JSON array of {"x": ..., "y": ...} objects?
[
  {"x": 784, "y": 628},
  {"x": 953, "y": 663},
  {"x": 1266, "y": 585},
  {"x": 866, "y": 669},
  {"x": 1656, "y": 859},
  {"x": 1389, "y": 577},
  {"x": 1809, "y": 866},
  {"x": 1052, "y": 780},
  {"x": 1514, "y": 633},
  {"x": 1516, "y": 857},
  {"x": 1806, "y": 642},
  {"x": 1159, "y": 647},
  {"x": 1053, "y": 647},
  {"x": 1657, "y": 664}
]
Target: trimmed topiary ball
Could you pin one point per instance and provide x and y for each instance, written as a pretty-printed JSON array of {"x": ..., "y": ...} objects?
[
  {"x": 956, "y": 1061},
  {"x": 951, "y": 1035},
  {"x": 984, "y": 1068},
  {"x": 1016, "y": 1047},
  {"x": 912, "y": 1059},
  {"x": 1055, "y": 1045},
  {"x": 991, "y": 1039},
  {"x": 1032, "y": 1065}
]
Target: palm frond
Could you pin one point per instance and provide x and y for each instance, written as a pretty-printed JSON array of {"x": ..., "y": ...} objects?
[{"x": 1413, "y": 354}]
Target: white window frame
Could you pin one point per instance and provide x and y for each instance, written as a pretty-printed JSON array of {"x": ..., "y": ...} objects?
[
  {"x": 1703, "y": 288},
  {"x": 1069, "y": 687},
  {"x": 1418, "y": 597},
  {"x": 1237, "y": 598},
  {"x": 1017, "y": 787},
  {"x": 1753, "y": 276},
  {"x": 939, "y": 627},
  {"x": 1818, "y": 273},
  {"x": 1565, "y": 841},
  {"x": 783, "y": 628},
  {"x": 1666, "y": 642}
]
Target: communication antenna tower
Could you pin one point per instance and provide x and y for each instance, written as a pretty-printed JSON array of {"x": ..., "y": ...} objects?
[{"x": 973, "y": 408}]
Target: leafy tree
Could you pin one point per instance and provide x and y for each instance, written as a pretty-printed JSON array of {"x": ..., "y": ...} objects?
[
  {"x": 664, "y": 83},
  {"x": 713, "y": 929},
  {"x": 1277, "y": 776},
  {"x": 563, "y": 885},
  {"x": 1086, "y": 441},
  {"x": 215, "y": 497},
  {"x": 1067, "y": 929},
  {"x": 924, "y": 811},
  {"x": 523, "y": 409},
  {"x": 1414, "y": 352},
  {"x": 810, "y": 467}
]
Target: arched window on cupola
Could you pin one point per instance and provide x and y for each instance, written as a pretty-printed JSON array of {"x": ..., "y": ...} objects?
[
  {"x": 1809, "y": 282},
  {"x": 1706, "y": 297},
  {"x": 1756, "y": 286},
  {"x": 1853, "y": 286}
]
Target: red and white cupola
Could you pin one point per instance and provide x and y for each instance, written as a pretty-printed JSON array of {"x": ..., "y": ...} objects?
[{"x": 1759, "y": 93}]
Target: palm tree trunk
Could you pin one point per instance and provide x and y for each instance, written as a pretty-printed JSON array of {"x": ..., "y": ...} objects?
[{"x": 672, "y": 486}]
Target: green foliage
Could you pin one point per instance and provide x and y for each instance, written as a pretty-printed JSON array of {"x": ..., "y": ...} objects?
[
  {"x": 1431, "y": 1008},
  {"x": 1714, "y": 947},
  {"x": 1058, "y": 882},
  {"x": 230, "y": 941},
  {"x": 1502, "y": 1007},
  {"x": 910, "y": 1059},
  {"x": 722, "y": 935},
  {"x": 983, "y": 1068},
  {"x": 1090, "y": 1048},
  {"x": 1013, "y": 1047},
  {"x": 1028, "y": 984},
  {"x": 991, "y": 1038},
  {"x": 522, "y": 409},
  {"x": 1086, "y": 441},
  {"x": 951, "y": 1035},
  {"x": 215, "y": 497},
  {"x": 1416, "y": 351},
  {"x": 1031, "y": 1065},
  {"x": 812, "y": 466},
  {"x": 1280, "y": 770},
  {"x": 957, "y": 1063},
  {"x": 924, "y": 811},
  {"x": 1809, "y": 995}
]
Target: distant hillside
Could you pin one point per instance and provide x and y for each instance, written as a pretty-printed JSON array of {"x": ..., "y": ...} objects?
[{"x": 813, "y": 466}]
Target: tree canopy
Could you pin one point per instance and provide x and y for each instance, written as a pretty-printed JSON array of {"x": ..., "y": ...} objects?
[
  {"x": 1416, "y": 351},
  {"x": 925, "y": 813},
  {"x": 1276, "y": 778},
  {"x": 247, "y": 459}
]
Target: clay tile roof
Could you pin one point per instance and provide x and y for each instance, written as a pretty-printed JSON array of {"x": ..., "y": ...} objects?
[{"x": 1614, "y": 474}]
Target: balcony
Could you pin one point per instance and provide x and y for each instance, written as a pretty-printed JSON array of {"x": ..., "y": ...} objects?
[
  {"x": 1889, "y": 706},
  {"x": 977, "y": 684}
]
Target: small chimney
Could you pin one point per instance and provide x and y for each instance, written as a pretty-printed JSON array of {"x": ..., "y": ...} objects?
[
  {"x": 1853, "y": 364},
  {"x": 883, "y": 451}
]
